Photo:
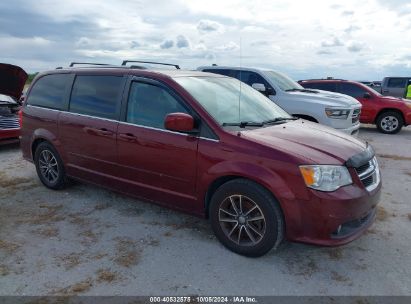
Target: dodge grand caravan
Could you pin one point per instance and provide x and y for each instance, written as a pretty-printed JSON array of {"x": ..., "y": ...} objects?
[
  {"x": 331, "y": 109},
  {"x": 185, "y": 140}
]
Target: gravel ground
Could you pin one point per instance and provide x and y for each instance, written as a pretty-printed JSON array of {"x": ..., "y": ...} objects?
[{"x": 89, "y": 241}]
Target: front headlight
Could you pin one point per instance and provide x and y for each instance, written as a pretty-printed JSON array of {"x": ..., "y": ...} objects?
[
  {"x": 337, "y": 113},
  {"x": 325, "y": 177}
]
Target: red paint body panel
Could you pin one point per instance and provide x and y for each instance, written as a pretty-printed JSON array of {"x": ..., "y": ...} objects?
[
  {"x": 178, "y": 170},
  {"x": 9, "y": 134},
  {"x": 371, "y": 107}
]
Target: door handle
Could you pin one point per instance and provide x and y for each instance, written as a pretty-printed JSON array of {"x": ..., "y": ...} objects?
[
  {"x": 385, "y": 91},
  {"x": 95, "y": 131},
  {"x": 127, "y": 136},
  {"x": 104, "y": 132}
]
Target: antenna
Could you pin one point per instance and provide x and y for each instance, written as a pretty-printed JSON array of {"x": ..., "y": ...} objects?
[{"x": 239, "y": 96}]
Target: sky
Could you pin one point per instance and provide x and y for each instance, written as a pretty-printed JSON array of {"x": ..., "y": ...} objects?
[{"x": 359, "y": 40}]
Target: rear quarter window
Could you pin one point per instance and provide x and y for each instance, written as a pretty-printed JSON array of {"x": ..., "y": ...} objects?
[
  {"x": 50, "y": 91},
  {"x": 397, "y": 82},
  {"x": 97, "y": 96}
]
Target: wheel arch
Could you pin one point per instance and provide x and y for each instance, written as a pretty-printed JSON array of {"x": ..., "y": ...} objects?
[
  {"x": 389, "y": 110},
  {"x": 262, "y": 177}
]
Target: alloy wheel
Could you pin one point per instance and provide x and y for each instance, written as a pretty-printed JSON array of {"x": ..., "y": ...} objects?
[
  {"x": 389, "y": 123},
  {"x": 242, "y": 220},
  {"x": 48, "y": 166}
]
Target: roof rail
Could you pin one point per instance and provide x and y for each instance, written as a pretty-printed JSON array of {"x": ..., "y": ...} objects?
[
  {"x": 89, "y": 63},
  {"x": 150, "y": 62}
]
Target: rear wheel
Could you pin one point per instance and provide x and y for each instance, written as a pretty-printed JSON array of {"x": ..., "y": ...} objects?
[
  {"x": 49, "y": 166},
  {"x": 390, "y": 122},
  {"x": 246, "y": 218}
]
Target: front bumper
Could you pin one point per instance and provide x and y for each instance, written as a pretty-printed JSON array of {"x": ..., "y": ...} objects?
[
  {"x": 9, "y": 133},
  {"x": 333, "y": 218}
]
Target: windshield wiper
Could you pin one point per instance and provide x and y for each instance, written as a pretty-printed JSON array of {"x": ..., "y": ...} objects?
[
  {"x": 278, "y": 120},
  {"x": 243, "y": 124}
]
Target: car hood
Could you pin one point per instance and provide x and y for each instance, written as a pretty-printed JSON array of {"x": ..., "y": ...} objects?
[
  {"x": 328, "y": 98},
  {"x": 309, "y": 141},
  {"x": 12, "y": 80}
]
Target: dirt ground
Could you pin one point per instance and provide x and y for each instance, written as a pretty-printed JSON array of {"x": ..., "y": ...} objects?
[{"x": 89, "y": 241}]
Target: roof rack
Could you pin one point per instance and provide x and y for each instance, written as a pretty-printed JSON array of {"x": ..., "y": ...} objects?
[
  {"x": 150, "y": 62},
  {"x": 89, "y": 63}
]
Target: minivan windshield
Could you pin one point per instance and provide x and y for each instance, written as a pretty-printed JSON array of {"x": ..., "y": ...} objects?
[
  {"x": 284, "y": 82},
  {"x": 221, "y": 98}
]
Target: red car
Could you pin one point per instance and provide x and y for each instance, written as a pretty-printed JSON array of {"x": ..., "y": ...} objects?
[
  {"x": 12, "y": 80},
  {"x": 183, "y": 139},
  {"x": 390, "y": 114}
]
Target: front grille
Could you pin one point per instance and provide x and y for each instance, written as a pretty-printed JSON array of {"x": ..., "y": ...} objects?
[
  {"x": 9, "y": 123},
  {"x": 369, "y": 174},
  {"x": 356, "y": 115}
]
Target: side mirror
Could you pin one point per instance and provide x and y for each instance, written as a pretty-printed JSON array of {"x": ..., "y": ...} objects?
[
  {"x": 180, "y": 122},
  {"x": 259, "y": 87},
  {"x": 367, "y": 95}
]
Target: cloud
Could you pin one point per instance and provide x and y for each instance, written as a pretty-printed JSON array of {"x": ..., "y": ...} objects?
[
  {"x": 352, "y": 28},
  {"x": 208, "y": 26},
  {"x": 182, "y": 42},
  {"x": 228, "y": 47},
  {"x": 134, "y": 44},
  {"x": 333, "y": 42},
  {"x": 347, "y": 13},
  {"x": 325, "y": 52},
  {"x": 167, "y": 44},
  {"x": 355, "y": 46}
]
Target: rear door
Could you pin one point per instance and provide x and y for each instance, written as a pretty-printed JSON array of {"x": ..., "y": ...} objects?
[
  {"x": 88, "y": 129},
  {"x": 156, "y": 163},
  {"x": 395, "y": 87}
]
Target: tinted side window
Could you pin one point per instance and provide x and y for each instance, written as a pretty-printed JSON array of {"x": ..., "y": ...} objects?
[
  {"x": 224, "y": 72},
  {"x": 149, "y": 104},
  {"x": 49, "y": 91},
  {"x": 397, "y": 83},
  {"x": 252, "y": 77},
  {"x": 325, "y": 86},
  {"x": 352, "y": 90},
  {"x": 97, "y": 96}
]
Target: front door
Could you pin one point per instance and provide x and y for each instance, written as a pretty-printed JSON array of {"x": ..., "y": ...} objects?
[{"x": 157, "y": 163}]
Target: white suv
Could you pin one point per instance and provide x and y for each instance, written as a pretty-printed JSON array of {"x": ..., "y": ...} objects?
[{"x": 339, "y": 111}]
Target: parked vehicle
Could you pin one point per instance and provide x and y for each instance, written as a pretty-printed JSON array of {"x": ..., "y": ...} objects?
[
  {"x": 334, "y": 110},
  {"x": 188, "y": 140},
  {"x": 394, "y": 86},
  {"x": 12, "y": 80},
  {"x": 390, "y": 114}
]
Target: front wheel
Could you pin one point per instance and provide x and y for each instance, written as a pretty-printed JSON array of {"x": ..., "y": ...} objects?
[
  {"x": 246, "y": 218},
  {"x": 390, "y": 122}
]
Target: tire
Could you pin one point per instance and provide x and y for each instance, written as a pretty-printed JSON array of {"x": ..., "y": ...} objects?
[
  {"x": 389, "y": 122},
  {"x": 236, "y": 229},
  {"x": 53, "y": 176}
]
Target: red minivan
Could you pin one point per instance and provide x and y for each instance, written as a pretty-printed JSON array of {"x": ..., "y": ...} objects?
[
  {"x": 194, "y": 142},
  {"x": 390, "y": 114}
]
